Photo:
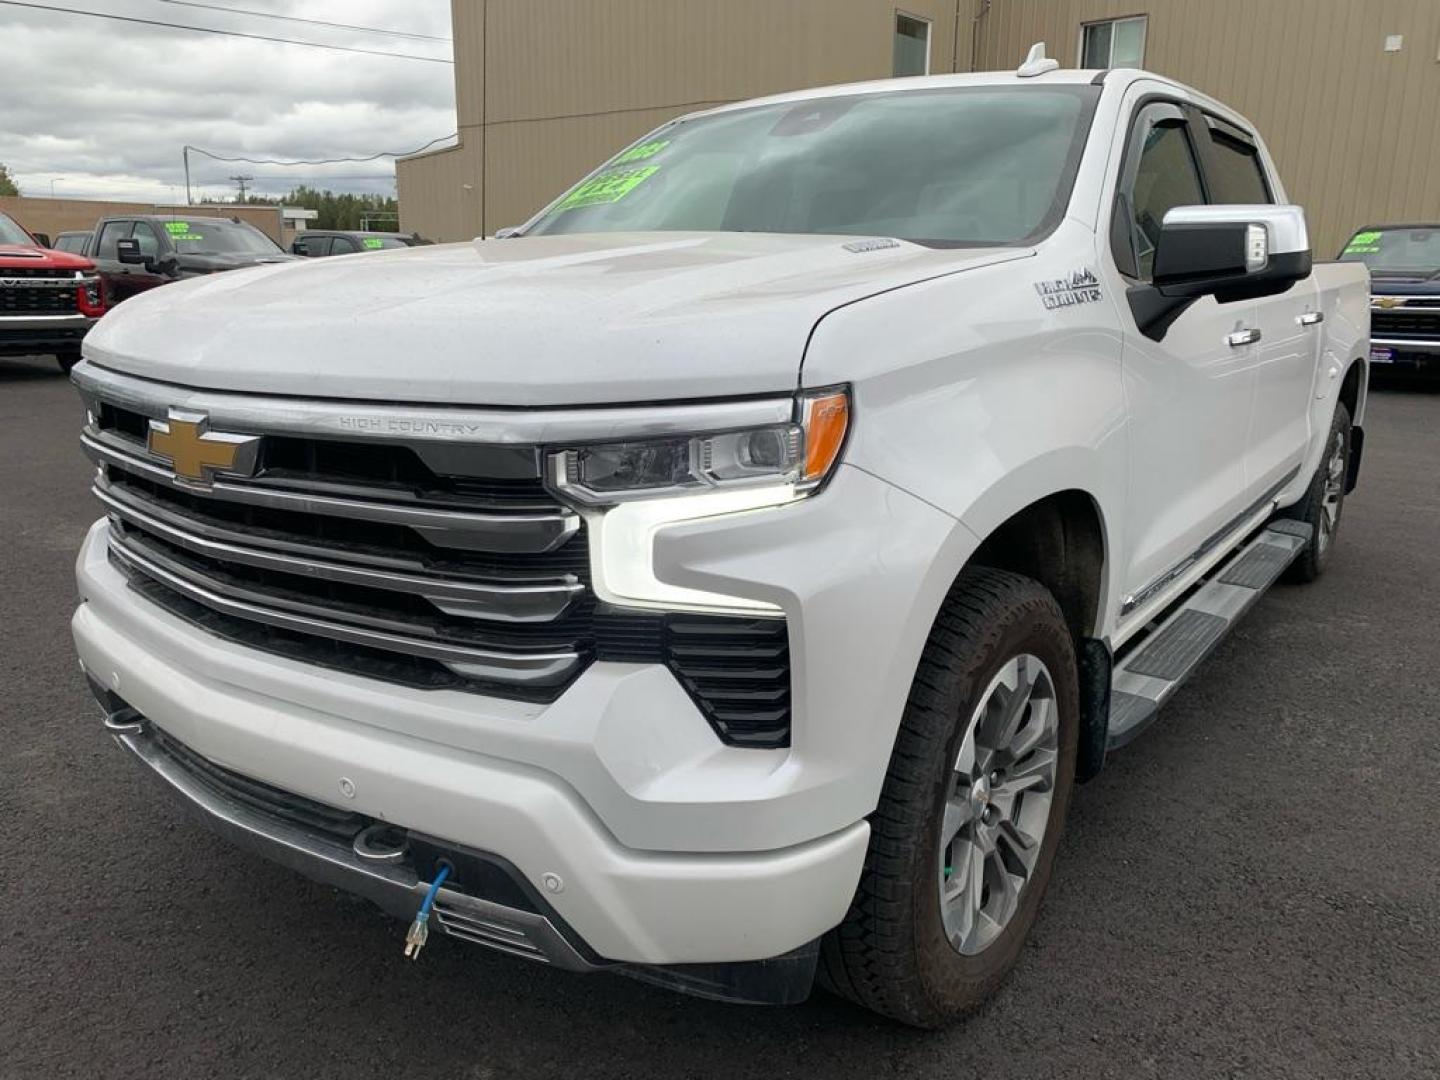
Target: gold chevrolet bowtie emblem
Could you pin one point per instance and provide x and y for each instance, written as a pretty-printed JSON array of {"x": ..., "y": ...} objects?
[
  {"x": 196, "y": 453},
  {"x": 1389, "y": 302}
]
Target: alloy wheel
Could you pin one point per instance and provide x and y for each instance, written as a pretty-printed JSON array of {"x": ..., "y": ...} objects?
[
  {"x": 998, "y": 804},
  {"x": 1333, "y": 492}
]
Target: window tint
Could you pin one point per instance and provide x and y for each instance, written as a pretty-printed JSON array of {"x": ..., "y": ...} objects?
[
  {"x": 343, "y": 246},
  {"x": 111, "y": 233},
  {"x": 313, "y": 246},
  {"x": 149, "y": 242},
  {"x": 912, "y": 46},
  {"x": 1165, "y": 177},
  {"x": 1234, "y": 171}
]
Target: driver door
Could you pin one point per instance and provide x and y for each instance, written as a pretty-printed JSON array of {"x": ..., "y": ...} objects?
[{"x": 1190, "y": 393}]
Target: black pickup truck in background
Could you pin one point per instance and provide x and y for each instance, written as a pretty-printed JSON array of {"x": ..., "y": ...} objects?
[
  {"x": 319, "y": 243},
  {"x": 136, "y": 252},
  {"x": 1404, "y": 262}
]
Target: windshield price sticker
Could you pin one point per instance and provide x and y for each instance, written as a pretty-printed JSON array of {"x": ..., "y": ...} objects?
[
  {"x": 610, "y": 187},
  {"x": 373, "y": 243},
  {"x": 643, "y": 151},
  {"x": 180, "y": 230},
  {"x": 1364, "y": 243}
]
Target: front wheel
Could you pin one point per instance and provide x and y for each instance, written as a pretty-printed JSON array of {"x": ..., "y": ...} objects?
[
  {"x": 1323, "y": 502},
  {"x": 67, "y": 360},
  {"x": 971, "y": 811}
]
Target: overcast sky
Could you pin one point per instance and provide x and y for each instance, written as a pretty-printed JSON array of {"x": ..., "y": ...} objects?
[{"x": 102, "y": 108}]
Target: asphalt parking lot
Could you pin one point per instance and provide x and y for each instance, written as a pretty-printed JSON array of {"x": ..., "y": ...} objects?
[{"x": 1252, "y": 889}]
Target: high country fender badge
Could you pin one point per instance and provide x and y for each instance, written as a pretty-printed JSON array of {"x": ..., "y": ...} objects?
[{"x": 1081, "y": 287}]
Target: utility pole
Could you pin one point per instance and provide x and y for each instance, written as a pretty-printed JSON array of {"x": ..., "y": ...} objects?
[{"x": 241, "y": 181}]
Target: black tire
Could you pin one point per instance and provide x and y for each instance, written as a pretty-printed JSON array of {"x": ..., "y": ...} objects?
[
  {"x": 892, "y": 953},
  {"x": 1311, "y": 562},
  {"x": 67, "y": 360}
]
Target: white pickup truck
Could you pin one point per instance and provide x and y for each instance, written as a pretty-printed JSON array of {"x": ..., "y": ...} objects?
[{"x": 724, "y": 578}]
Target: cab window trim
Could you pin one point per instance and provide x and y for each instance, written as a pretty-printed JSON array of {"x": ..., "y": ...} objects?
[{"x": 1122, "y": 224}]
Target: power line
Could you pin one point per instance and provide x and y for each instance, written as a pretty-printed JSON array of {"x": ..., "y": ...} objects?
[
  {"x": 223, "y": 33},
  {"x": 323, "y": 161},
  {"x": 310, "y": 22}
]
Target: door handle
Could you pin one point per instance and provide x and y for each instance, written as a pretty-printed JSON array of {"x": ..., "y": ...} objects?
[
  {"x": 1310, "y": 318},
  {"x": 1247, "y": 336}
]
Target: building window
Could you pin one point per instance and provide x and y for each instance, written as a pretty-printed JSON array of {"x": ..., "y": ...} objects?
[
  {"x": 1115, "y": 43},
  {"x": 912, "y": 45}
]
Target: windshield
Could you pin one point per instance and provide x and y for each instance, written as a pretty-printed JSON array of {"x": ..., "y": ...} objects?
[
  {"x": 10, "y": 233},
  {"x": 949, "y": 167},
  {"x": 217, "y": 236},
  {"x": 1395, "y": 249}
]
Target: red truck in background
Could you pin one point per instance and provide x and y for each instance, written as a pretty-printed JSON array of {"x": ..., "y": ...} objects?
[{"x": 48, "y": 299}]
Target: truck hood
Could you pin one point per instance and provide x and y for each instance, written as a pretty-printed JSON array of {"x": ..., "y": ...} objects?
[
  {"x": 528, "y": 321},
  {"x": 34, "y": 257},
  {"x": 1406, "y": 282},
  {"x": 209, "y": 264}
]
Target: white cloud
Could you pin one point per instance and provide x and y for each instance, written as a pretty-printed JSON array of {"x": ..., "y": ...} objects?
[{"x": 102, "y": 108}]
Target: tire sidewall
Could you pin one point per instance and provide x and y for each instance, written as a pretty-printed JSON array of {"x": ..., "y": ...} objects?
[{"x": 946, "y": 975}]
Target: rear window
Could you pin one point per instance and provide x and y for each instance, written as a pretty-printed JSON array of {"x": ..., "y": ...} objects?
[{"x": 74, "y": 243}]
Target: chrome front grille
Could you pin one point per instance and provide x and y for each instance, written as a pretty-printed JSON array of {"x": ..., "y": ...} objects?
[
  {"x": 484, "y": 576},
  {"x": 419, "y": 546}
]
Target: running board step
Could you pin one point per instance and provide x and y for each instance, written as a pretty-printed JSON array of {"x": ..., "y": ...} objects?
[{"x": 1144, "y": 679}]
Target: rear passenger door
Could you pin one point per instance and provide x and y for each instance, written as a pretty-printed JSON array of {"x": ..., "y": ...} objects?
[
  {"x": 1189, "y": 393},
  {"x": 1288, "y": 351}
]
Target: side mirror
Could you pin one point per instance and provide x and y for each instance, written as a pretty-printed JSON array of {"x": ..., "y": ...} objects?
[
  {"x": 1228, "y": 252},
  {"x": 507, "y": 232},
  {"x": 128, "y": 252},
  {"x": 43, "y": 239}
]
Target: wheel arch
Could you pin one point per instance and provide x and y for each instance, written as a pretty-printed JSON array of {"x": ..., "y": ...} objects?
[{"x": 1354, "y": 389}]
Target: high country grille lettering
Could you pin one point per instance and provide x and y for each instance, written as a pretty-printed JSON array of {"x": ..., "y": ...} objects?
[{"x": 407, "y": 427}]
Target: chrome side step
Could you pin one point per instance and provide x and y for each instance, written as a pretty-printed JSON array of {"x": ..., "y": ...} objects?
[{"x": 1144, "y": 679}]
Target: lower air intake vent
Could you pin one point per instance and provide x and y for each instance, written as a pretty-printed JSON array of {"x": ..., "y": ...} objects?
[{"x": 736, "y": 669}]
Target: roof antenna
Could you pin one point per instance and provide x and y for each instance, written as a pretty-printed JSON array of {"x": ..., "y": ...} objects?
[{"x": 1036, "y": 62}]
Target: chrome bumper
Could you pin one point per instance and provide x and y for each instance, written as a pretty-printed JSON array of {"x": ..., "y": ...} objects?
[{"x": 394, "y": 888}]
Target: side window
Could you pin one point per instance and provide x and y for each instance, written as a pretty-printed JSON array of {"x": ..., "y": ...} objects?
[
  {"x": 111, "y": 233},
  {"x": 344, "y": 246},
  {"x": 312, "y": 246},
  {"x": 149, "y": 242},
  {"x": 1233, "y": 168},
  {"x": 1160, "y": 173}
]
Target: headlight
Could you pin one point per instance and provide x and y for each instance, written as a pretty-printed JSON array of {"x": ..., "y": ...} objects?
[
  {"x": 800, "y": 453},
  {"x": 630, "y": 490}
]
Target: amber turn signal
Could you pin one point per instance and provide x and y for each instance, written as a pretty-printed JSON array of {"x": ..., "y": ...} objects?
[{"x": 825, "y": 419}]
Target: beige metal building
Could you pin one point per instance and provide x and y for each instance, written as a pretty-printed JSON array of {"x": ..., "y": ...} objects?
[{"x": 1346, "y": 92}]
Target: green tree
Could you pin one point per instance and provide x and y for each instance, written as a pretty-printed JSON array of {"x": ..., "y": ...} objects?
[
  {"x": 7, "y": 182},
  {"x": 345, "y": 210}
]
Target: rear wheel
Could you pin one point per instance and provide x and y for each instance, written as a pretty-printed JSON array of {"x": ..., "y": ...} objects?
[
  {"x": 1323, "y": 502},
  {"x": 971, "y": 811}
]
